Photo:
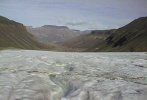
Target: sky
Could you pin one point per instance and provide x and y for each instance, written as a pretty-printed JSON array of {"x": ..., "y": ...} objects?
[{"x": 76, "y": 14}]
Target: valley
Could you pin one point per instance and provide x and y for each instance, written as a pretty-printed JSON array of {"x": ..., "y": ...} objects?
[
  {"x": 73, "y": 50},
  {"x": 129, "y": 38}
]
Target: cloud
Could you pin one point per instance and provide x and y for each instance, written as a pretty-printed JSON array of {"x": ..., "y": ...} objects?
[{"x": 76, "y": 23}]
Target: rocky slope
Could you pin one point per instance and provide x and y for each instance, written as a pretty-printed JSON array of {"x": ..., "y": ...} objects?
[
  {"x": 43, "y": 75},
  {"x": 15, "y": 35},
  {"x": 53, "y": 34},
  {"x": 132, "y": 37}
]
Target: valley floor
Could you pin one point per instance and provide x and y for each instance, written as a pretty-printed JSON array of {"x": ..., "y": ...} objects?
[{"x": 46, "y": 75}]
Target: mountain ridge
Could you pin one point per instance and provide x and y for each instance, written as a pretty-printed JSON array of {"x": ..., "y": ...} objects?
[
  {"x": 15, "y": 35},
  {"x": 131, "y": 37},
  {"x": 52, "y": 33}
]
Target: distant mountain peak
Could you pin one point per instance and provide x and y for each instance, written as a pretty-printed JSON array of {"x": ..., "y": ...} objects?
[{"x": 53, "y": 33}]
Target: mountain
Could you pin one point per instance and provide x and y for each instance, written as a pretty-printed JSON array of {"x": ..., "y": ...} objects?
[
  {"x": 15, "y": 35},
  {"x": 131, "y": 37},
  {"x": 53, "y": 34},
  {"x": 89, "y": 40}
]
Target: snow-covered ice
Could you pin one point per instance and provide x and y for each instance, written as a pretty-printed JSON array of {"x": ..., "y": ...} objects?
[{"x": 46, "y": 75}]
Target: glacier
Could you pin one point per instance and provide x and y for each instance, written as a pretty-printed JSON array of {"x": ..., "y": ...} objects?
[{"x": 48, "y": 75}]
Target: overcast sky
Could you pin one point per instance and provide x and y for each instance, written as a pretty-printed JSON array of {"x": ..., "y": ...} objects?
[{"x": 76, "y": 14}]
